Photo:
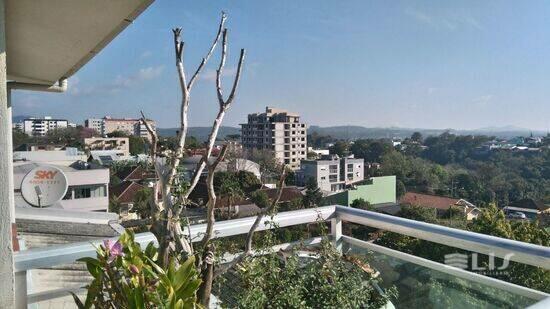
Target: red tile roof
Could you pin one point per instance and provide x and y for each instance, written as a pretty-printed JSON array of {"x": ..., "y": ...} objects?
[
  {"x": 427, "y": 200},
  {"x": 289, "y": 194},
  {"x": 125, "y": 191}
]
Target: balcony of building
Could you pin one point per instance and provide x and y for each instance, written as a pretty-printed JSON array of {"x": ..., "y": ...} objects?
[{"x": 419, "y": 281}]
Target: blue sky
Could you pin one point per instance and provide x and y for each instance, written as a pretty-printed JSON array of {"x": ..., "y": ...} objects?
[{"x": 428, "y": 64}]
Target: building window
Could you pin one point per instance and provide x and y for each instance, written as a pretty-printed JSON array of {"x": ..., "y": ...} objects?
[
  {"x": 82, "y": 193},
  {"x": 350, "y": 168},
  {"x": 333, "y": 169},
  {"x": 89, "y": 191},
  {"x": 350, "y": 176},
  {"x": 333, "y": 178}
]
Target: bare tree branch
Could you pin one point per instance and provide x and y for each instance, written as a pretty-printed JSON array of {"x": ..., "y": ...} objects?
[
  {"x": 154, "y": 136},
  {"x": 237, "y": 78},
  {"x": 220, "y": 70},
  {"x": 211, "y": 205},
  {"x": 224, "y": 106},
  {"x": 154, "y": 142},
  {"x": 205, "y": 59}
]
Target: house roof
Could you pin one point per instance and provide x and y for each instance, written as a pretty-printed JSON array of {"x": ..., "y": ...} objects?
[
  {"x": 529, "y": 203},
  {"x": 125, "y": 191},
  {"x": 428, "y": 200},
  {"x": 134, "y": 173},
  {"x": 50, "y": 40},
  {"x": 289, "y": 193}
]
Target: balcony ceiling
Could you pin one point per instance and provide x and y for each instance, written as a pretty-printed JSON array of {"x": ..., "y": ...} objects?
[{"x": 50, "y": 40}]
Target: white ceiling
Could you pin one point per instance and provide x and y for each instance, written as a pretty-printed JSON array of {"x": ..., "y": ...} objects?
[{"x": 51, "y": 39}]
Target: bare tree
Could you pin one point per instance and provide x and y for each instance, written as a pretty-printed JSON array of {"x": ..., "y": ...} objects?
[{"x": 167, "y": 206}]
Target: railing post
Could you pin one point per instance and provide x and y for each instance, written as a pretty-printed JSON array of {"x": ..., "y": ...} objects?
[
  {"x": 336, "y": 232},
  {"x": 21, "y": 290}
]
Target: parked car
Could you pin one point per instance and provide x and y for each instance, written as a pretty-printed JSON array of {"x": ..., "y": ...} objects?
[{"x": 517, "y": 215}]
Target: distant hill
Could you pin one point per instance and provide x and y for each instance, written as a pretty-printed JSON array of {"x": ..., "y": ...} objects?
[
  {"x": 356, "y": 132},
  {"x": 19, "y": 118},
  {"x": 201, "y": 133}
]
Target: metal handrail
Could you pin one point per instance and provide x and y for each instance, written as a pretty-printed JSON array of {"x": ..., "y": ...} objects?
[
  {"x": 521, "y": 252},
  {"x": 500, "y": 247},
  {"x": 61, "y": 254}
]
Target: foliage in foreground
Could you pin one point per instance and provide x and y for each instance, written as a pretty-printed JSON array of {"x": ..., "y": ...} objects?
[
  {"x": 125, "y": 276},
  {"x": 325, "y": 281}
]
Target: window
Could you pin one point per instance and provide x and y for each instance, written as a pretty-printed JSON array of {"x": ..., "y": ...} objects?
[
  {"x": 350, "y": 176},
  {"x": 333, "y": 168},
  {"x": 89, "y": 191},
  {"x": 350, "y": 168},
  {"x": 82, "y": 193},
  {"x": 333, "y": 178}
]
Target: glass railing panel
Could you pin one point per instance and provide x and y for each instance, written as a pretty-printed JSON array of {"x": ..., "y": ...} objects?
[{"x": 427, "y": 284}]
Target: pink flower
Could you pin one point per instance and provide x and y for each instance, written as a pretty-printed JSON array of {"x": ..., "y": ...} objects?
[{"x": 113, "y": 249}]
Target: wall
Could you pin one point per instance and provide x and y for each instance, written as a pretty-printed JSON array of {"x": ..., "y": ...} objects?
[{"x": 381, "y": 191}]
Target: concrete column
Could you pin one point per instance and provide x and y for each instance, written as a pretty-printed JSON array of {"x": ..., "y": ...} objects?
[{"x": 7, "y": 277}]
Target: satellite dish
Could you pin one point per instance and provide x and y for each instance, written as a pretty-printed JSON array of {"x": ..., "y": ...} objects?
[{"x": 44, "y": 186}]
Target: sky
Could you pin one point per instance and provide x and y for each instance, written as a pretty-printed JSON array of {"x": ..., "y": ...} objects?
[{"x": 414, "y": 64}]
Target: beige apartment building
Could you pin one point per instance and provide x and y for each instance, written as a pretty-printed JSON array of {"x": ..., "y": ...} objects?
[
  {"x": 130, "y": 126},
  {"x": 277, "y": 130}
]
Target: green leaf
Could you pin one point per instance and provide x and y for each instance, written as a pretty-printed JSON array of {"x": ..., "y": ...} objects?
[
  {"x": 77, "y": 301},
  {"x": 183, "y": 273},
  {"x": 138, "y": 298}
]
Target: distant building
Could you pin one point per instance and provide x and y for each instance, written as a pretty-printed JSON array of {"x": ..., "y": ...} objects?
[
  {"x": 88, "y": 186},
  {"x": 331, "y": 172},
  {"x": 440, "y": 204},
  {"x": 530, "y": 207},
  {"x": 41, "y": 126},
  {"x": 95, "y": 124},
  {"x": 318, "y": 152},
  {"x": 124, "y": 194},
  {"x": 279, "y": 131},
  {"x": 58, "y": 157},
  {"x": 378, "y": 191},
  {"x": 108, "y": 143},
  {"x": 18, "y": 126},
  {"x": 130, "y": 126}
]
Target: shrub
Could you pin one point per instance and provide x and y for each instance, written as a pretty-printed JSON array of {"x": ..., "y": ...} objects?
[{"x": 125, "y": 276}]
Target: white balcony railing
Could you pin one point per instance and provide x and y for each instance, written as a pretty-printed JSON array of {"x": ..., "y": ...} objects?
[{"x": 525, "y": 253}]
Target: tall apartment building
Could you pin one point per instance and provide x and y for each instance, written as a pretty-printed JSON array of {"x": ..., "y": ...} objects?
[
  {"x": 41, "y": 126},
  {"x": 277, "y": 130},
  {"x": 130, "y": 126},
  {"x": 331, "y": 172},
  {"x": 95, "y": 124}
]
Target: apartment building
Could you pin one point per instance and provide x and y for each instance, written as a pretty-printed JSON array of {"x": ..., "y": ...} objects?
[
  {"x": 279, "y": 131},
  {"x": 130, "y": 126},
  {"x": 41, "y": 126},
  {"x": 331, "y": 172},
  {"x": 95, "y": 124}
]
